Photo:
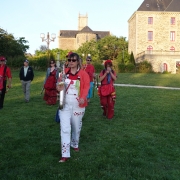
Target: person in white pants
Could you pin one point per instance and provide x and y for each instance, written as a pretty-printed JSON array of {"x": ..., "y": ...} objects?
[{"x": 76, "y": 90}]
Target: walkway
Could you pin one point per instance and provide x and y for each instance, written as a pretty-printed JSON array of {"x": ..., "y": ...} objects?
[{"x": 142, "y": 86}]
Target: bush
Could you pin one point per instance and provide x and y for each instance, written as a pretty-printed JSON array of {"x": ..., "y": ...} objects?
[
  {"x": 126, "y": 68},
  {"x": 98, "y": 67},
  {"x": 144, "y": 67}
]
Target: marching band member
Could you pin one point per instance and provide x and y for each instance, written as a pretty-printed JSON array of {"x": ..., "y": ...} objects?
[
  {"x": 89, "y": 68},
  {"x": 107, "y": 91},
  {"x": 76, "y": 90},
  {"x": 5, "y": 73},
  {"x": 52, "y": 74}
]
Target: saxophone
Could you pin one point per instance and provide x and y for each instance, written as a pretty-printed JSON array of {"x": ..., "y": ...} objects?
[{"x": 62, "y": 92}]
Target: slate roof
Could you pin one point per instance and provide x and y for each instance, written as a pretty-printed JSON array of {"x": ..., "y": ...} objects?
[
  {"x": 86, "y": 29},
  {"x": 160, "y": 5}
]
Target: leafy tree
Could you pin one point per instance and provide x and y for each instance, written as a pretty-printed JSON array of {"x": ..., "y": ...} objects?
[{"x": 10, "y": 46}]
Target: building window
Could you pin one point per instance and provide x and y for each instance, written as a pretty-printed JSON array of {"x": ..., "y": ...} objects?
[
  {"x": 172, "y": 48},
  {"x": 150, "y": 35},
  {"x": 172, "y": 36},
  {"x": 150, "y": 20},
  {"x": 173, "y": 20},
  {"x": 86, "y": 37},
  {"x": 150, "y": 49}
]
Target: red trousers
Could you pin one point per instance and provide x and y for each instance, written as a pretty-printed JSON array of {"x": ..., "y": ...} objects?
[{"x": 107, "y": 104}]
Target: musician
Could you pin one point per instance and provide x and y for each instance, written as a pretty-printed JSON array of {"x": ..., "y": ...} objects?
[
  {"x": 66, "y": 63},
  {"x": 107, "y": 78},
  {"x": 89, "y": 68},
  {"x": 52, "y": 74},
  {"x": 5, "y": 74},
  {"x": 76, "y": 90}
]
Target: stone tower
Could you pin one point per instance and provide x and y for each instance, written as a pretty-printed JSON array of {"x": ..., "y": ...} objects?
[{"x": 83, "y": 21}]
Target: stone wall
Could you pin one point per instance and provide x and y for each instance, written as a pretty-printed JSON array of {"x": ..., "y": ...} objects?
[
  {"x": 132, "y": 34},
  {"x": 67, "y": 43},
  {"x": 158, "y": 61},
  {"x": 83, "y": 37},
  {"x": 161, "y": 28}
]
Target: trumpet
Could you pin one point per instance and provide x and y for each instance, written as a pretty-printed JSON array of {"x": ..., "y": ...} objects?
[{"x": 62, "y": 83}]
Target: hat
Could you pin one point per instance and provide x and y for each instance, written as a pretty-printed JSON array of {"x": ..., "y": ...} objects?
[
  {"x": 26, "y": 61},
  {"x": 69, "y": 53},
  {"x": 108, "y": 62},
  {"x": 2, "y": 58}
]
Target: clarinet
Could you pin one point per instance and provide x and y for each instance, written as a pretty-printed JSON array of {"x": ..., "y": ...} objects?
[{"x": 62, "y": 92}]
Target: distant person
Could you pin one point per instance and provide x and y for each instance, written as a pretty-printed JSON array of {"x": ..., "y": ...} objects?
[
  {"x": 26, "y": 75},
  {"x": 89, "y": 68},
  {"x": 52, "y": 74},
  {"x": 75, "y": 101},
  {"x": 107, "y": 90},
  {"x": 5, "y": 74}
]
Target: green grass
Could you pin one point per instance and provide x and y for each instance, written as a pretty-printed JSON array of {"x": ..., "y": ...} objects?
[
  {"x": 140, "y": 143},
  {"x": 149, "y": 79}
]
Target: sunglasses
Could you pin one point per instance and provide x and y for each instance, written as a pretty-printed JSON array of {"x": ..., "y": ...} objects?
[
  {"x": 72, "y": 60},
  {"x": 51, "y": 62},
  {"x": 88, "y": 60}
]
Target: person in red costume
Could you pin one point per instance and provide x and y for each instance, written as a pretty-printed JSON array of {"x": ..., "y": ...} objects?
[
  {"x": 89, "y": 68},
  {"x": 107, "y": 78},
  {"x": 76, "y": 89},
  {"x": 52, "y": 74},
  {"x": 5, "y": 73}
]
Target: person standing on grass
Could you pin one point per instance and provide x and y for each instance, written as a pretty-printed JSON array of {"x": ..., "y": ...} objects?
[
  {"x": 26, "y": 75},
  {"x": 89, "y": 68},
  {"x": 76, "y": 90},
  {"x": 107, "y": 90},
  {"x": 5, "y": 73},
  {"x": 52, "y": 74}
]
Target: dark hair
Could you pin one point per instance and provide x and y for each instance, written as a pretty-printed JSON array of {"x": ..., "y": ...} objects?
[
  {"x": 77, "y": 57},
  {"x": 74, "y": 55},
  {"x": 53, "y": 62}
]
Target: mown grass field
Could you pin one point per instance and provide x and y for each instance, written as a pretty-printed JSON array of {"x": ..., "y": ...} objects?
[{"x": 140, "y": 143}]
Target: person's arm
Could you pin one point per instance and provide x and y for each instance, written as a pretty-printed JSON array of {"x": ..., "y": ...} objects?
[
  {"x": 113, "y": 76},
  {"x": 32, "y": 74},
  {"x": 9, "y": 82},
  {"x": 84, "y": 87},
  {"x": 103, "y": 76}
]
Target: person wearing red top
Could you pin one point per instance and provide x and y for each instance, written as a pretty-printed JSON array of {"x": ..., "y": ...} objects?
[
  {"x": 107, "y": 77},
  {"x": 89, "y": 68},
  {"x": 76, "y": 85},
  {"x": 5, "y": 74}
]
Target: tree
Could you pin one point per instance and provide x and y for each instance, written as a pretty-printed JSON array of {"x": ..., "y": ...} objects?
[
  {"x": 132, "y": 60},
  {"x": 11, "y": 47}
]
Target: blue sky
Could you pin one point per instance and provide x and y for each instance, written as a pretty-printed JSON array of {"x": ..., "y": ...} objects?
[{"x": 30, "y": 18}]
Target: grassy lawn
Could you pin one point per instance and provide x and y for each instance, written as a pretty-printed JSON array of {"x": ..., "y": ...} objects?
[
  {"x": 151, "y": 79},
  {"x": 140, "y": 143}
]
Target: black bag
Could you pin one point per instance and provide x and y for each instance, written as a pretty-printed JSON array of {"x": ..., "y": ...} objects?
[{"x": 57, "y": 119}]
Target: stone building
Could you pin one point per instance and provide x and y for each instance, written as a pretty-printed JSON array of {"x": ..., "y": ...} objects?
[
  {"x": 154, "y": 34},
  {"x": 73, "y": 39}
]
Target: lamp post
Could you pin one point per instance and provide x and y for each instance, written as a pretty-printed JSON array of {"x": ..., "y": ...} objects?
[
  {"x": 48, "y": 39},
  {"x": 83, "y": 56},
  {"x": 58, "y": 58}
]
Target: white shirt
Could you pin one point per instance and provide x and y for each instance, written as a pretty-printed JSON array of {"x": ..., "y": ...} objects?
[{"x": 25, "y": 70}]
